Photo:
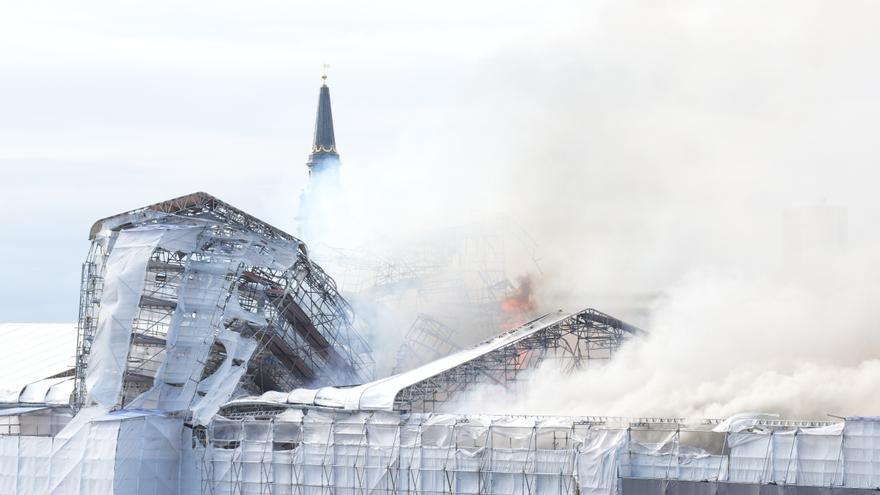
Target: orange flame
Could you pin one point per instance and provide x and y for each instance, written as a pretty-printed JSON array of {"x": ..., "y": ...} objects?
[{"x": 519, "y": 304}]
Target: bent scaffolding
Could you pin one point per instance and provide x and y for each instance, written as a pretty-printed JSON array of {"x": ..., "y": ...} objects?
[
  {"x": 426, "y": 340},
  {"x": 572, "y": 340},
  {"x": 194, "y": 301}
]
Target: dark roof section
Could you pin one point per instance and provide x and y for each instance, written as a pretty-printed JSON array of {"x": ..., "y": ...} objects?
[
  {"x": 325, "y": 140},
  {"x": 198, "y": 205}
]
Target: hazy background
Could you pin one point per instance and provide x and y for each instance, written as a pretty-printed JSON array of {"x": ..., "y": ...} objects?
[{"x": 648, "y": 147}]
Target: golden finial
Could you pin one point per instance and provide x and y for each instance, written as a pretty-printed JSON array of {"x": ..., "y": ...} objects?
[{"x": 324, "y": 77}]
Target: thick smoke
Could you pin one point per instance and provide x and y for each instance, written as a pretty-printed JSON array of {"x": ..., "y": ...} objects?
[
  {"x": 721, "y": 343},
  {"x": 685, "y": 149},
  {"x": 655, "y": 152}
]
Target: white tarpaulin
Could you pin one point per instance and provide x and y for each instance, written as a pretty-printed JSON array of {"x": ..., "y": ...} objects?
[
  {"x": 861, "y": 450},
  {"x": 124, "y": 281},
  {"x": 378, "y": 453},
  {"x": 344, "y": 452},
  {"x": 128, "y": 452},
  {"x": 806, "y": 456},
  {"x": 142, "y": 452}
]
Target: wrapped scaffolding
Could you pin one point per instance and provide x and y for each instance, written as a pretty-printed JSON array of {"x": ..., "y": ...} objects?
[
  {"x": 190, "y": 302},
  {"x": 316, "y": 451},
  {"x": 323, "y": 452},
  {"x": 307, "y": 451}
]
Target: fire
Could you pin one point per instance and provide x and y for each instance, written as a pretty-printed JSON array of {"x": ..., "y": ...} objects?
[
  {"x": 519, "y": 304},
  {"x": 520, "y": 300}
]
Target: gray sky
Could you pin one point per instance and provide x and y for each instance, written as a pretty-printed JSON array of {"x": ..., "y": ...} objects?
[{"x": 635, "y": 139}]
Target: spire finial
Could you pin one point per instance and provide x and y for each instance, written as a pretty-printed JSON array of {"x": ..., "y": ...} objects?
[{"x": 324, "y": 77}]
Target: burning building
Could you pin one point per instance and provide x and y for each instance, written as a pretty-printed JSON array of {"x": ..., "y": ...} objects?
[
  {"x": 214, "y": 356},
  {"x": 184, "y": 305},
  {"x": 450, "y": 279}
]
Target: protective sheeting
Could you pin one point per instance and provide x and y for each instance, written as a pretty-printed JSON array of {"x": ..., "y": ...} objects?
[
  {"x": 124, "y": 281},
  {"x": 35, "y": 420},
  {"x": 177, "y": 299},
  {"x": 59, "y": 394},
  {"x": 218, "y": 387},
  {"x": 633, "y": 486},
  {"x": 754, "y": 451},
  {"x": 123, "y": 453},
  {"x": 323, "y": 451},
  {"x": 50, "y": 391},
  {"x": 195, "y": 324},
  {"x": 341, "y": 452},
  {"x": 744, "y": 421},
  {"x": 190, "y": 335},
  {"x": 205, "y": 302},
  {"x": 349, "y": 453},
  {"x": 861, "y": 449},
  {"x": 21, "y": 366},
  {"x": 806, "y": 456},
  {"x": 668, "y": 457},
  {"x": 191, "y": 302},
  {"x": 379, "y": 395},
  {"x": 148, "y": 455},
  {"x": 55, "y": 391}
]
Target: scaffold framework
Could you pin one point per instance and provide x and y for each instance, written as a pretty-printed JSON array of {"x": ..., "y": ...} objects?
[
  {"x": 211, "y": 292},
  {"x": 426, "y": 340},
  {"x": 573, "y": 342}
]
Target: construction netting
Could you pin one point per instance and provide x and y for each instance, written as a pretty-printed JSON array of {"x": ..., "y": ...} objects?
[
  {"x": 376, "y": 453},
  {"x": 193, "y": 312},
  {"x": 316, "y": 451},
  {"x": 126, "y": 452},
  {"x": 322, "y": 452}
]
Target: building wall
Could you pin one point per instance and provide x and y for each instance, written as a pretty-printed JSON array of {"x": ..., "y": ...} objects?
[{"x": 635, "y": 486}]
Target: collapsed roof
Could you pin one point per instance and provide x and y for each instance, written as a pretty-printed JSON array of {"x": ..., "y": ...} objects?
[{"x": 572, "y": 339}]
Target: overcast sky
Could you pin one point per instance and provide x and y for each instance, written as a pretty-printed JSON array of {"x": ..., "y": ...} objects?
[{"x": 621, "y": 134}]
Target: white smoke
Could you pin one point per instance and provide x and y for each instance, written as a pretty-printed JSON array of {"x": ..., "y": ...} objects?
[
  {"x": 652, "y": 150},
  {"x": 725, "y": 342}
]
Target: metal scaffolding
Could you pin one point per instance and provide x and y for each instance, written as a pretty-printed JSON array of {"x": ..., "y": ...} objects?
[
  {"x": 242, "y": 276},
  {"x": 574, "y": 342},
  {"x": 426, "y": 340},
  {"x": 314, "y": 451},
  {"x": 457, "y": 277}
]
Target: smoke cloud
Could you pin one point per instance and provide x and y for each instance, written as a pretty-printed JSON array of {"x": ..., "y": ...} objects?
[
  {"x": 655, "y": 153},
  {"x": 723, "y": 343}
]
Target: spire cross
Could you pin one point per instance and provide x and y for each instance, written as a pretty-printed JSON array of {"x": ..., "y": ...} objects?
[{"x": 324, "y": 77}]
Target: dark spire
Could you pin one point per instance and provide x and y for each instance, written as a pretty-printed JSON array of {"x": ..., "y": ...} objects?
[
  {"x": 325, "y": 141},
  {"x": 324, "y": 160}
]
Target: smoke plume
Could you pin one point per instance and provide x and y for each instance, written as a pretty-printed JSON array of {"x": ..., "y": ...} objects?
[
  {"x": 722, "y": 343},
  {"x": 655, "y": 158}
]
